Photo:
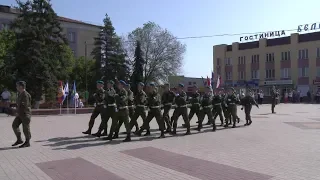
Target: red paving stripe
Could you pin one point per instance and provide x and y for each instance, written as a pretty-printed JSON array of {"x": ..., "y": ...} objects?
[
  {"x": 76, "y": 169},
  {"x": 202, "y": 169}
]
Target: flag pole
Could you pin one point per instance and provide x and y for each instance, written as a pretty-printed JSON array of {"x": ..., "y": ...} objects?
[
  {"x": 75, "y": 107},
  {"x": 60, "y": 109}
]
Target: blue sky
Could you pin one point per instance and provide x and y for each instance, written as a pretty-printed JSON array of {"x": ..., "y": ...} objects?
[{"x": 194, "y": 18}]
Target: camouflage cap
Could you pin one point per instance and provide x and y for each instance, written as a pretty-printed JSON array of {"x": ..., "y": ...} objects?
[{"x": 100, "y": 82}]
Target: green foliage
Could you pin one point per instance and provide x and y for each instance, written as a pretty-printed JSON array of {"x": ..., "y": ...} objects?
[
  {"x": 7, "y": 44},
  {"x": 137, "y": 75},
  {"x": 82, "y": 67},
  {"x": 110, "y": 58},
  {"x": 41, "y": 56}
]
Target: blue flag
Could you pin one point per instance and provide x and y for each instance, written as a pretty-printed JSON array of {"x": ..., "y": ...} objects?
[{"x": 74, "y": 90}]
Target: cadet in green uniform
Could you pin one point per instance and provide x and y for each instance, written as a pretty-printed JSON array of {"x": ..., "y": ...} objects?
[
  {"x": 154, "y": 104},
  {"x": 225, "y": 111},
  {"x": 167, "y": 101},
  {"x": 140, "y": 109},
  {"x": 273, "y": 98},
  {"x": 99, "y": 109},
  {"x": 181, "y": 110},
  {"x": 23, "y": 115},
  {"x": 206, "y": 109},
  {"x": 232, "y": 101},
  {"x": 217, "y": 108},
  {"x": 122, "y": 114},
  {"x": 247, "y": 103},
  {"x": 131, "y": 104},
  {"x": 195, "y": 104}
]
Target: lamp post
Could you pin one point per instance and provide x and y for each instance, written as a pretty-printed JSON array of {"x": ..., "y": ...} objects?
[{"x": 85, "y": 59}]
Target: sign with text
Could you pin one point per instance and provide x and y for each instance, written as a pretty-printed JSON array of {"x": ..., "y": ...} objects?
[
  {"x": 263, "y": 35},
  {"x": 308, "y": 27}
]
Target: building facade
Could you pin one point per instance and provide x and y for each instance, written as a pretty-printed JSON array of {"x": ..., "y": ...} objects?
[
  {"x": 80, "y": 35},
  {"x": 291, "y": 62},
  {"x": 188, "y": 82}
]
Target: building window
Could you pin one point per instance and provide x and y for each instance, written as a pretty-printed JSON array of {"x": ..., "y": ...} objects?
[
  {"x": 285, "y": 73},
  {"x": 304, "y": 72},
  {"x": 241, "y": 60},
  {"x": 303, "y": 54},
  {"x": 190, "y": 83},
  {"x": 241, "y": 75},
  {"x": 255, "y": 58},
  {"x": 270, "y": 57},
  {"x": 285, "y": 55},
  {"x": 270, "y": 73},
  {"x": 228, "y": 62},
  {"x": 228, "y": 75},
  {"x": 255, "y": 74},
  {"x": 72, "y": 36},
  {"x": 318, "y": 52},
  {"x": 218, "y": 61}
]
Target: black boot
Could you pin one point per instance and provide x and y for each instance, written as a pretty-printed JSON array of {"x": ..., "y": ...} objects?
[
  {"x": 168, "y": 130},
  {"x": 214, "y": 127},
  {"x": 25, "y": 144},
  {"x": 105, "y": 133},
  {"x": 162, "y": 134},
  {"x": 250, "y": 122},
  {"x": 19, "y": 141},
  {"x": 128, "y": 138},
  {"x": 87, "y": 132},
  {"x": 188, "y": 132},
  {"x": 174, "y": 132},
  {"x": 115, "y": 136},
  {"x": 147, "y": 133},
  {"x": 234, "y": 125},
  {"x": 97, "y": 134},
  {"x": 238, "y": 119},
  {"x": 138, "y": 133},
  {"x": 109, "y": 138},
  {"x": 247, "y": 123}
]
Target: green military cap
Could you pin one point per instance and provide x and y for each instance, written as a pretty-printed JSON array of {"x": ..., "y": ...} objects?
[
  {"x": 181, "y": 85},
  {"x": 111, "y": 82},
  {"x": 100, "y": 82},
  {"x": 21, "y": 83}
]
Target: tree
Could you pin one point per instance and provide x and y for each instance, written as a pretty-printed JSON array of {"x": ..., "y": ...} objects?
[
  {"x": 110, "y": 58},
  {"x": 41, "y": 55},
  {"x": 7, "y": 44},
  {"x": 137, "y": 75},
  {"x": 162, "y": 52}
]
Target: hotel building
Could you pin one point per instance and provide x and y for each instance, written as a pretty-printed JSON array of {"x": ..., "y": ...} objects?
[
  {"x": 79, "y": 34},
  {"x": 291, "y": 62}
]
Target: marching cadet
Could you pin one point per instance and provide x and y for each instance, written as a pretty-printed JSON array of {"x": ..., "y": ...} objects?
[
  {"x": 247, "y": 103},
  {"x": 206, "y": 105},
  {"x": 99, "y": 109},
  {"x": 180, "y": 110},
  {"x": 131, "y": 104},
  {"x": 167, "y": 100},
  {"x": 274, "y": 98},
  {"x": 154, "y": 104},
  {"x": 122, "y": 115},
  {"x": 225, "y": 111},
  {"x": 232, "y": 101},
  {"x": 217, "y": 108},
  {"x": 23, "y": 115},
  {"x": 195, "y": 104},
  {"x": 140, "y": 110}
]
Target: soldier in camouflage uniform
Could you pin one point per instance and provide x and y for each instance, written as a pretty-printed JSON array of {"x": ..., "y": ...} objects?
[
  {"x": 181, "y": 110},
  {"x": 195, "y": 104},
  {"x": 232, "y": 101},
  {"x": 154, "y": 104},
  {"x": 206, "y": 109},
  {"x": 247, "y": 103},
  {"x": 99, "y": 109},
  {"x": 140, "y": 110},
  {"x": 23, "y": 115},
  {"x": 167, "y": 100},
  {"x": 225, "y": 111},
  {"x": 122, "y": 114},
  {"x": 131, "y": 104},
  {"x": 274, "y": 98},
  {"x": 216, "y": 106}
]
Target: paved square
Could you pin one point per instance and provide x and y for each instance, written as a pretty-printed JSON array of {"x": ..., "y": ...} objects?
[{"x": 271, "y": 148}]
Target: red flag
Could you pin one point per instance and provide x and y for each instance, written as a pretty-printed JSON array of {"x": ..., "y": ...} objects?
[
  {"x": 218, "y": 81},
  {"x": 208, "y": 81}
]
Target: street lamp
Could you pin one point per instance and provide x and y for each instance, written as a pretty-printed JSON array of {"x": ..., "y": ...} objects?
[{"x": 85, "y": 60}]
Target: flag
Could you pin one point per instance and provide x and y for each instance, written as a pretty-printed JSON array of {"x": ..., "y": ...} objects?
[
  {"x": 74, "y": 90},
  {"x": 66, "y": 91},
  {"x": 218, "y": 81},
  {"x": 208, "y": 81},
  {"x": 61, "y": 94},
  {"x": 212, "y": 79},
  {"x": 204, "y": 83}
]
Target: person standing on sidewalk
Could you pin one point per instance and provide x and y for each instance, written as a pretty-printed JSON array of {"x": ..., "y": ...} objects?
[{"x": 23, "y": 115}]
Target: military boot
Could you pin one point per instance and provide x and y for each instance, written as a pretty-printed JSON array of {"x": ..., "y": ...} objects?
[
  {"x": 174, "y": 132},
  {"x": 214, "y": 127},
  {"x": 147, "y": 133},
  {"x": 188, "y": 132},
  {"x": 116, "y": 135},
  {"x": 87, "y": 132},
  {"x": 25, "y": 144},
  {"x": 97, "y": 134},
  {"x": 250, "y": 122},
  {"x": 128, "y": 138},
  {"x": 247, "y": 123},
  {"x": 162, "y": 134},
  {"x": 19, "y": 141}
]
